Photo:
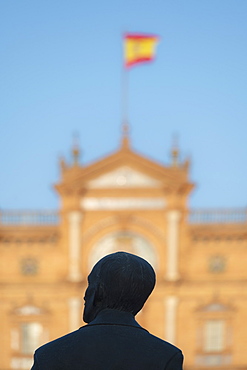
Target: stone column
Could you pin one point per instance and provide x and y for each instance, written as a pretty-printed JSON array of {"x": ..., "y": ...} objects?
[
  {"x": 173, "y": 217},
  {"x": 170, "y": 318},
  {"x": 74, "y": 245},
  {"x": 75, "y": 313}
]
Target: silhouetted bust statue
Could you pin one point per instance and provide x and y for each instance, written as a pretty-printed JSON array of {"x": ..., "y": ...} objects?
[
  {"x": 120, "y": 281},
  {"x": 118, "y": 286}
]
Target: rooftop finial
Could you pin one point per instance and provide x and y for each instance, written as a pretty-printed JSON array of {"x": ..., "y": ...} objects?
[
  {"x": 175, "y": 151},
  {"x": 76, "y": 149},
  {"x": 125, "y": 135},
  {"x": 62, "y": 164}
]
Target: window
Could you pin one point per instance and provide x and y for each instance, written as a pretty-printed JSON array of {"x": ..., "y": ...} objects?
[
  {"x": 214, "y": 333},
  {"x": 214, "y": 339},
  {"x": 31, "y": 337}
]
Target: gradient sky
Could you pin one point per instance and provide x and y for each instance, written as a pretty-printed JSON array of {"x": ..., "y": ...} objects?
[{"x": 61, "y": 73}]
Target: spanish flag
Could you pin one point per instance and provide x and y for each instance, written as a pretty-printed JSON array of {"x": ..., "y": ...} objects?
[{"x": 139, "y": 48}]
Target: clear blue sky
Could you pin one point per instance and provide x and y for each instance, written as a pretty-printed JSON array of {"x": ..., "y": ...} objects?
[{"x": 60, "y": 73}]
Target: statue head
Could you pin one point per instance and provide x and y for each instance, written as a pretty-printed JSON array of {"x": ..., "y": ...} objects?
[{"x": 120, "y": 281}]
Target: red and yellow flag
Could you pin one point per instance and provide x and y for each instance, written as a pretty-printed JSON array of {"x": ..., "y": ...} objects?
[{"x": 139, "y": 48}]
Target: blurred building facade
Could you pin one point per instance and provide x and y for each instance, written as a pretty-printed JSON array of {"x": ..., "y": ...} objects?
[{"x": 127, "y": 202}]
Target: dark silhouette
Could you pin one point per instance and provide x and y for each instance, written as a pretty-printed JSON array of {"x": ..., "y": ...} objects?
[{"x": 118, "y": 286}]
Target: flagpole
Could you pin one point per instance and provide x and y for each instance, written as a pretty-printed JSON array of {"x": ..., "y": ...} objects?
[
  {"x": 125, "y": 104},
  {"x": 125, "y": 96}
]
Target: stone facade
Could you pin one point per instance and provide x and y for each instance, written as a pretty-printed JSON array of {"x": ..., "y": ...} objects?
[{"x": 127, "y": 202}]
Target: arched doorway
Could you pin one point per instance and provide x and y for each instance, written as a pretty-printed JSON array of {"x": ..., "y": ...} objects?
[{"x": 127, "y": 241}]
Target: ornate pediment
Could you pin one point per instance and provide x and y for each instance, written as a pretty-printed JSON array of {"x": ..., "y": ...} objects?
[
  {"x": 215, "y": 307},
  {"x": 124, "y": 177},
  {"x": 28, "y": 310}
]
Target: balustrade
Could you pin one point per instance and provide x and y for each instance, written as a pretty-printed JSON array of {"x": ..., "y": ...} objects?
[
  {"x": 210, "y": 216},
  {"x": 29, "y": 218}
]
